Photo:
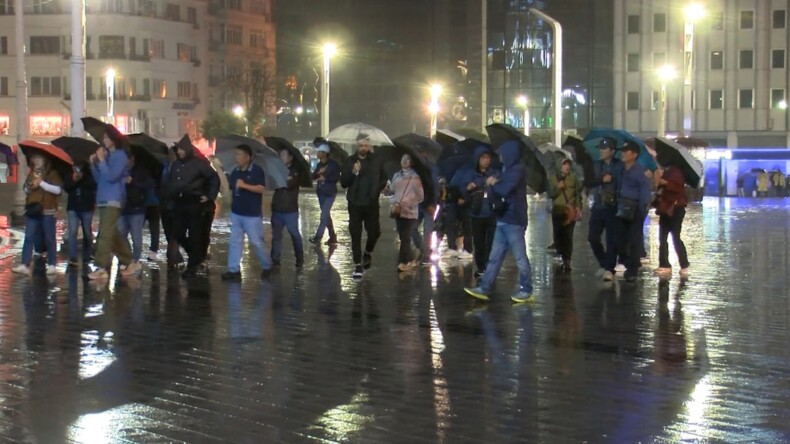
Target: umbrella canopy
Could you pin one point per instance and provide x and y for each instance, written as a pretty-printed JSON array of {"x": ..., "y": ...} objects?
[
  {"x": 337, "y": 153},
  {"x": 390, "y": 157},
  {"x": 149, "y": 152},
  {"x": 531, "y": 156},
  {"x": 692, "y": 142},
  {"x": 620, "y": 137},
  {"x": 95, "y": 127},
  {"x": 8, "y": 155},
  {"x": 347, "y": 135},
  {"x": 427, "y": 148},
  {"x": 447, "y": 138},
  {"x": 471, "y": 133},
  {"x": 460, "y": 155},
  {"x": 305, "y": 174},
  {"x": 79, "y": 149},
  {"x": 274, "y": 169},
  {"x": 673, "y": 153},
  {"x": 554, "y": 155},
  {"x": 581, "y": 156},
  {"x": 59, "y": 159}
]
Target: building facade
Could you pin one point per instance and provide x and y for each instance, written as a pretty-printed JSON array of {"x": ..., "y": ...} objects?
[{"x": 739, "y": 76}]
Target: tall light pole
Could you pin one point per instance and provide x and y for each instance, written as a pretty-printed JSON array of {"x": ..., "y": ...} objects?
[
  {"x": 692, "y": 12},
  {"x": 523, "y": 102},
  {"x": 484, "y": 65},
  {"x": 18, "y": 215},
  {"x": 665, "y": 74},
  {"x": 238, "y": 111},
  {"x": 557, "y": 82},
  {"x": 433, "y": 108},
  {"x": 110, "y": 84},
  {"x": 328, "y": 50},
  {"x": 77, "y": 67}
]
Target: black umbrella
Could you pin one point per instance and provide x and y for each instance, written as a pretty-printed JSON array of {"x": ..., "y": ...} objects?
[
  {"x": 447, "y": 138},
  {"x": 390, "y": 157},
  {"x": 9, "y": 156},
  {"x": 95, "y": 127},
  {"x": 673, "y": 153},
  {"x": 460, "y": 155},
  {"x": 79, "y": 149},
  {"x": 305, "y": 174},
  {"x": 337, "y": 153},
  {"x": 274, "y": 169},
  {"x": 471, "y": 133},
  {"x": 531, "y": 156},
  {"x": 581, "y": 157},
  {"x": 428, "y": 148},
  {"x": 149, "y": 152}
]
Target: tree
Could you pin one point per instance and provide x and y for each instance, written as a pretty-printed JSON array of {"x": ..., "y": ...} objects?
[
  {"x": 220, "y": 123},
  {"x": 254, "y": 84}
]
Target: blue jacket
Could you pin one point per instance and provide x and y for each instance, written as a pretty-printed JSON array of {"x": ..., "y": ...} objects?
[
  {"x": 614, "y": 169},
  {"x": 110, "y": 176},
  {"x": 138, "y": 191},
  {"x": 636, "y": 186},
  {"x": 327, "y": 187},
  {"x": 473, "y": 174},
  {"x": 512, "y": 185}
]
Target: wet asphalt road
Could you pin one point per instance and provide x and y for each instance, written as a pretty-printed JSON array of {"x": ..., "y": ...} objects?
[{"x": 316, "y": 357}]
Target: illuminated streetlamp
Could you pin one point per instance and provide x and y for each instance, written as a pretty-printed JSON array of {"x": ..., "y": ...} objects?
[
  {"x": 523, "y": 102},
  {"x": 238, "y": 111},
  {"x": 692, "y": 12},
  {"x": 328, "y": 50},
  {"x": 110, "y": 84},
  {"x": 433, "y": 108},
  {"x": 665, "y": 73}
]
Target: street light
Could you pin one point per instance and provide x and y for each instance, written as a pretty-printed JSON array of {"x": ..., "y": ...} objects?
[
  {"x": 433, "y": 108},
  {"x": 524, "y": 103},
  {"x": 692, "y": 12},
  {"x": 110, "y": 84},
  {"x": 665, "y": 73},
  {"x": 238, "y": 111},
  {"x": 328, "y": 50}
]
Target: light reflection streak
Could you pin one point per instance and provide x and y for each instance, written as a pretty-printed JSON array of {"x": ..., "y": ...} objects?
[
  {"x": 340, "y": 422},
  {"x": 441, "y": 397},
  {"x": 697, "y": 409},
  {"x": 93, "y": 359}
]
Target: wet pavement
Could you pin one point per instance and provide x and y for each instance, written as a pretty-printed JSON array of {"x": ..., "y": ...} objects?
[{"x": 315, "y": 357}]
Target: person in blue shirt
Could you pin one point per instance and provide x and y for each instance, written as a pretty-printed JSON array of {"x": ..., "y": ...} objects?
[
  {"x": 246, "y": 182},
  {"x": 633, "y": 203},
  {"x": 326, "y": 175},
  {"x": 604, "y": 188},
  {"x": 509, "y": 192}
]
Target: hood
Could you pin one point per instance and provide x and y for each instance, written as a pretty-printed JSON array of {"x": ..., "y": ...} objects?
[
  {"x": 510, "y": 152},
  {"x": 186, "y": 145},
  {"x": 478, "y": 152}
]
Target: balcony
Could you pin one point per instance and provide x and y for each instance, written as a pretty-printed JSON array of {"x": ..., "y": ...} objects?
[
  {"x": 140, "y": 57},
  {"x": 88, "y": 56},
  {"x": 214, "y": 81},
  {"x": 215, "y": 45},
  {"x": 141, "y": 98},
  {"x": 112, "y": 56},
  {"x": 196, "y": 62}
]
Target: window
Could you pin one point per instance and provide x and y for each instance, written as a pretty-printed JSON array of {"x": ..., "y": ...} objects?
[
  {"x": 184, "y": 90},
  {"x": 717, "y": 60},
  {"x": 778, "y": 19},
  {"x": 746, "y": 59},
  {"x": 111, "y": 46},
  {"x": 632, "y": 64},
  {"x": 778, "y": 99},
  {"x": 45, "y": 44},
  {"x": 745, "y": 99},
  {"x": 655, "y": 100},
  {"x": 111, "y": 6},
  {"x": 716, "y": 99},
  {"x": 192, "y": 15},
  {"x": 233, "y": 4},
  {"x": 231, "y": 34},
  {"x": 160, "y": 88},
  {"x": 184, "y": 52},
  {"x": 632, "y": 101},
  {"x": 659, "y": 22},
  {"x": 256, "y": 39},
  {"x": 633, "y": 24},
  {"x": 173, "y": 12},
  {"x": 146, "y": 87},
  {"x": 3, "y": 86},
  {"x": 7, "y": 7},
  {"x": 4, "y": 45},
  {"x": 45, "y": 7},
  {"x": 158, "y": 127},
  {"x": 659, "y": 59},
  {"x": 778, "y": 58},
  {"x": 747, "y": 19},
  {"x": 45, "y": 86},
  {"x": 157, "y": 49},
  {"x": 48, "y": 125},
  {"x": 89, "y": 87},
  {"x": 258, "y": 7}
]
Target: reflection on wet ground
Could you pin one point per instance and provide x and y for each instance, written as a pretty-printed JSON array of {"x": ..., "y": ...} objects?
[{"x": 316, "y": 357}]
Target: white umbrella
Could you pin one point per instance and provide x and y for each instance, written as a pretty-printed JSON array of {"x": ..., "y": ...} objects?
[{"x": 347, "y": 134}]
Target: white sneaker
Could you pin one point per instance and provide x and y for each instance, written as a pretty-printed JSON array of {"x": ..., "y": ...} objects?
[
  {"x": 465, "y": 255},
  {"x": 644, "y": 260},
  {"x": 21, "y": 269},
  {"x": 451, "y": 254},
  {"x": 608, "y": 276},
  {"x": 619, "y": 268},
  {"x": 663, "y": 270},
  {"x": 51, "y": 270},
  {"x": 152, "y": 256}
]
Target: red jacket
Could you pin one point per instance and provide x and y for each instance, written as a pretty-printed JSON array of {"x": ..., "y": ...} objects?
[{"x": 674, "y": 191}]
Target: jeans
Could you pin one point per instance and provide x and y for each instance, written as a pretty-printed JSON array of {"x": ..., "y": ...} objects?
[
  {"x": 289, "y": 221},
  {"x": 133, "y": 224},
  {"x": 671, "y": 225},
  {"x": 153, "y": 216},
  {"x": 508, "y": 237},
  {"x": 36, "y": 229},
  {"x": 253, "y": 228},
  {"x": 110, "y": 241},
  {"x": 563, "y": 236},
  {"x": 367, "y": 216},
  {"x": 76, "y": 220},
  {"x": 326, "y": 203},
  {"x": 405, "y": 229},
  {"x": 603, "y": 220},
  {"x": 483, "y": 229},
  {"x": 629, "y": 239}
]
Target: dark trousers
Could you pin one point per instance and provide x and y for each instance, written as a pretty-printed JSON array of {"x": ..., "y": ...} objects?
[
  {"x": 483, "y": 229},
  {"x": 152, "y": 215},
  {"x": 192, "y": 231},
  {"x": 173, "y": 248},
  {"x": 671, "y": 225},
  {"x": 458, "y": 224},
  {"x": 405, "y": 228},
  {"x": 603, "y": 221},
  {"x": 563, "y": 236},
  {"x": 359, "y": 217},
  {"x": 629, "y": 239}
]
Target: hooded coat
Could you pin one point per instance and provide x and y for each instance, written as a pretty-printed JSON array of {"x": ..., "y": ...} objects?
[
  {"x": 512, "y": 185},
  {"x": 571, "y": 195},
  {"x": 193, "y": 176},
  {"x": 479, "y": 199}
]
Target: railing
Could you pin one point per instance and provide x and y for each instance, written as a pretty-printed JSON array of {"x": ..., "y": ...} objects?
[
  {"x": 112, "y": 55},
  {"x": 140, "y": 57}
]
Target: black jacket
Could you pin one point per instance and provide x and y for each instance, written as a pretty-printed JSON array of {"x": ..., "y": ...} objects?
[
  {"x": 286, "y": 200},
  {"x": 81, "y": 193},
  {"x": 193, "y": 177},
  {"x": 370, "y": 181}
]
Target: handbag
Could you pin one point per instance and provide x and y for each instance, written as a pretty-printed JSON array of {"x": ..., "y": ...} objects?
[
  {"x": 626, "y": 209},
  {"x": 572, "y": 213},
  {"x": 35, "y": 209},
  {"x": 396, "y": 207}
]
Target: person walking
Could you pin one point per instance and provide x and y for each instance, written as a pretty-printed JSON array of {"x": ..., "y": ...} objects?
[
  {"x": 110, "y": 168},
  {"x": 509, "y": 191},
  {"x": 247, "y": 184},
  {"x": 670, "y": 206},
  {"x": 167, "y": 200},
  {"x": 458, "y": 228},
  {"x": 426, "y": 212},
  {"x": 363, "y": 178},
  {"x": 42, "y": 187},
  {"x": 566, "y": 194},
  {"x": 153, "y": 215},
  {"x": 407, "y": 193},
  {"x": 81, "y": 189},
  {"x": 326, "y": 175},
  {"x": 633, "y": 200},
  {"x": 139, "y": 184},
  {"x": 285, "y": 214},
  {"x": 195, "y": 185},
  {"x": 477, "y": 194},
  {"x": 608, "y": 171}
]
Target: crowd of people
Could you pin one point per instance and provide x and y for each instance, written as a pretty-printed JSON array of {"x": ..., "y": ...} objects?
[{"x": 481, "y": 210}]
